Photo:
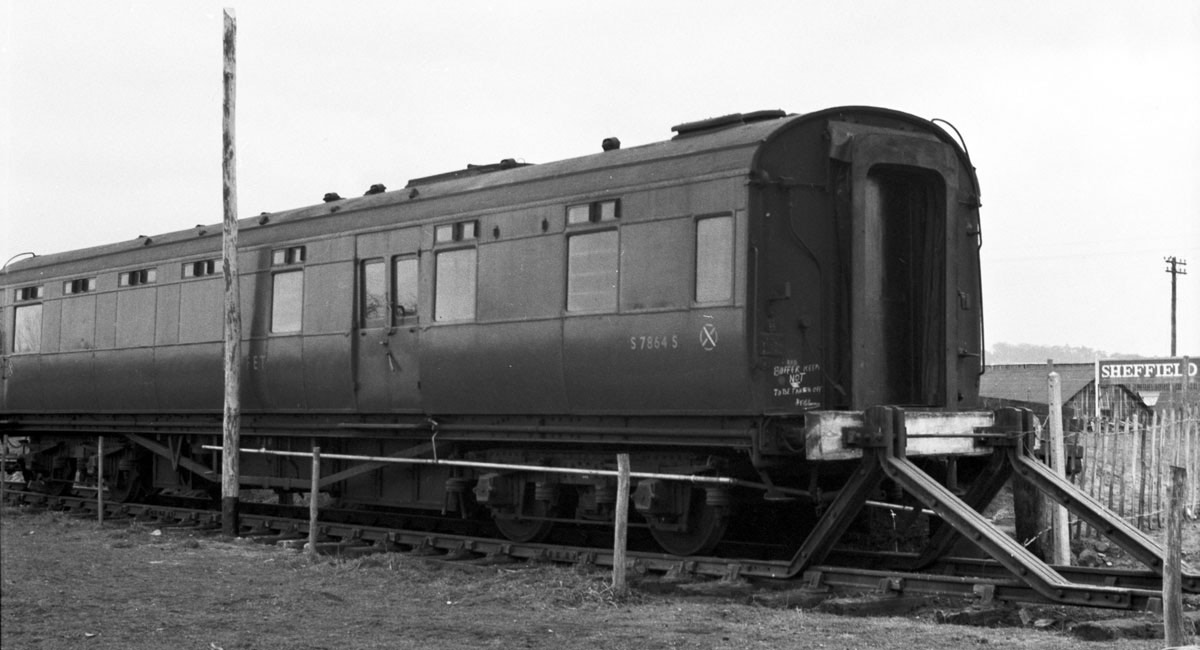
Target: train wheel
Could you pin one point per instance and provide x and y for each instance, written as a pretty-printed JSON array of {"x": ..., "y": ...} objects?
[
  {"x": 706, "y": 524},
  {"x": 126, "y": 486},
  {"x": 532, "y": 519},
  {"x": 534, "y": 526},
  {"x": 53, "y": 487},
  {"x": 61, "y": 479}
]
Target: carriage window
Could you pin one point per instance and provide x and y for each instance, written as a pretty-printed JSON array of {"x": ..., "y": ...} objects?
[
  {"x": 199, "y": 269},
  {"x": 29, "y": 293},
  {"x": 285, "y": 256},
  {"x": 287, "y": 301},
  {"x": 578, "y": 213},
  {"x": 27, "y": 329},
  {"x": 404, "y": 288},
  {"x": 135, "y": 278},
  {"x": 714, "y": 259},
  {"x": 451, "y": 232},
  {"x": 82, "y": 285},
  {"x": 594, "y": 212},
  {"x": 454, "y": 292},
  {"x": 373, "y": 299},
  {"x": 592, "y": 271}
]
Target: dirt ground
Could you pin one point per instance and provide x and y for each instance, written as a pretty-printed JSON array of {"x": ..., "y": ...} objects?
[{"x": 68, "y": 583}]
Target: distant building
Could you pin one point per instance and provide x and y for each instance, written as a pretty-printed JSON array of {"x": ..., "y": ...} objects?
[{"x": 1025, "y": 386}]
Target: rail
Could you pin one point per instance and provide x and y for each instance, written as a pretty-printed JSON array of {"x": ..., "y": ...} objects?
[{"x": 690, "y": 478}]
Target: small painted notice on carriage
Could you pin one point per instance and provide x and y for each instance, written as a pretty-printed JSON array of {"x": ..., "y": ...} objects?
[{"x": 802, "y": 382}]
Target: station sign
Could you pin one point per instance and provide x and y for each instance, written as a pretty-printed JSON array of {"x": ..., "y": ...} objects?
[{"x": 1147, "y": 371}]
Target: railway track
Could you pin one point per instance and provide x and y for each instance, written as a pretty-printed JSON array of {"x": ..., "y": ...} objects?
[{"x": 846, "y": 571}]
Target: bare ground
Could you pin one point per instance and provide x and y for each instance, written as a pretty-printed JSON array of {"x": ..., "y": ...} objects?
[{"x": 67, "y": 583}]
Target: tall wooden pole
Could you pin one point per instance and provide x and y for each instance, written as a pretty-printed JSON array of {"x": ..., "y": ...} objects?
[
  {"x": 1062, "y": 544},
  {"x": 1176, "y": 267},
  {"x": 233, "y": 319}
]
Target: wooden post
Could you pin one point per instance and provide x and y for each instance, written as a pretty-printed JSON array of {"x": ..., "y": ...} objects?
[
  {"x": 1029, "y": 511},
  {"x": 3, "y": 466},
  {"x": 1193, "y": 442},
  {"x": 1062, "y": 537},
  {"x": 314, "y": 492},
  {"x": 1112, "y": 464},
  {"x": 1157, "y": 433},
  {"x": 1189, "y": 429},
  {"x": 1085, "y": 470},
  {"x": 1124, "y": 457},
  {"x": 230, "y": 476},
  {"x": 1101, "y": 462},
  {"x": 621, "y": 525},
  {"x": 1172, "y": 594},
  {"x": 1098, "y": 455},
  {"x": 1143, "y": 467},
  {"x": 100, "y": 480}
]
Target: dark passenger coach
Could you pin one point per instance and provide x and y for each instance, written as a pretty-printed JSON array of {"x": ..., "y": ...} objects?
[{"x": 722, "y": 304}]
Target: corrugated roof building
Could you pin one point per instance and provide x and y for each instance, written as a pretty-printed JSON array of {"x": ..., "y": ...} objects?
[{"x": 1025, "y": 386}]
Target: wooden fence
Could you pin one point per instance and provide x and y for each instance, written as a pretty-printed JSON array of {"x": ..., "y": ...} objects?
[{"x": 1127, "y": 465}]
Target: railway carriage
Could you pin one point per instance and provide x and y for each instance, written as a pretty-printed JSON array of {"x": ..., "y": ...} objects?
[{"x": 724, "y": 305}]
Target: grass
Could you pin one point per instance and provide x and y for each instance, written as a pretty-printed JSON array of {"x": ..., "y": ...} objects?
[{"x": 68, "y": 583}]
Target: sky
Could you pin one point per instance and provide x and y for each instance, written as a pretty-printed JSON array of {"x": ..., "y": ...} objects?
[{"x": 1081, "y": 117}]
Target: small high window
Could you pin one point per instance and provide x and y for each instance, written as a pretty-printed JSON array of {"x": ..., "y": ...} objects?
[
  {"x": 452, "y": 232},
  {"x": 139, "y": 277},
  {"x": 290, "y": 255},
  {"x": 199, "y": 269},
  {"x": 287, "y": 301},
  {"x": 595, "y": 212},
  {"x": 82, "y": 285},
  {"x": 714, "y": 259},
  {"x": 29, "y": 293}
]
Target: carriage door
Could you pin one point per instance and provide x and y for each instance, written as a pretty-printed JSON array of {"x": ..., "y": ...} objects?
[
  {"x": 900, "y": 266},
  {"x": 386, "y": 322}
]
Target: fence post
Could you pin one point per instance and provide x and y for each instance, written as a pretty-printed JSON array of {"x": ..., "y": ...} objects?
[
  {"x": 1193, "y": 441},
  {"x": 621, "y": 525},
  {"x": 3, "y": 466},
  {"x": 1113, "y": 439},
  {"x": 100, "y": 480},
  {"x": 1159, "y": 432},
  {"x": 1144, "y": 468},
  {"x": 1122, "y": 433},
  {"x": 1172, "y": 594},
  {"x": 1062, "y": 535},
  {"x": 314, "y": 492}
]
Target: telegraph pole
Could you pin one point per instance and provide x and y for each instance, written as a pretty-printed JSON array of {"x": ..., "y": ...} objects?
[
  {"x": 231, "y": 428},
  {"x": 1176, "y": 267}
]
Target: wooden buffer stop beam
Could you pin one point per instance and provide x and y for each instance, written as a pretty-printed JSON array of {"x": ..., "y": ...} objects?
[{"x": 883, "y": 440}]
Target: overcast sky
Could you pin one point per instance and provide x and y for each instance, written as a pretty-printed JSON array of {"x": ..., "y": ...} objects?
[{"x": 1082, "y": 117}]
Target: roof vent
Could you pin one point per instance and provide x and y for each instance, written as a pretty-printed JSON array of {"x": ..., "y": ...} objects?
[
  {"x": 377, "y": 188},
  {"x": 610, "y": 143},
  {"x": 330, "y": 197},
  {"x": 725, "y": 122}
]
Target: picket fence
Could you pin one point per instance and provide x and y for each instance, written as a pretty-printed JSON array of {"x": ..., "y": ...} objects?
[{"x": 1126, "y": 465}]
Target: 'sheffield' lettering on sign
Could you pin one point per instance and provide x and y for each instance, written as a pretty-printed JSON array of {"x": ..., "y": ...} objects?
[{"x": 1145, "y": 370}]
